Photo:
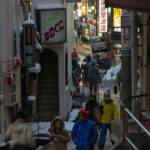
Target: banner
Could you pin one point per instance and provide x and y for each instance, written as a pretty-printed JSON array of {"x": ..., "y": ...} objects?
[
  {"x": 102, "y": 16},
  {"x": 117, "y": 18}
]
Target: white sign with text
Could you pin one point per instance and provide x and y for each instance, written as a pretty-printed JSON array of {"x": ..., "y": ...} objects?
[{"x": 53, "y": 26}]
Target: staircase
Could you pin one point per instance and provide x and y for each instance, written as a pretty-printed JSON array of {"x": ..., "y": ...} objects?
[
  {"x": 48, "y": 91},
  {"x": 136, "y": 129}
]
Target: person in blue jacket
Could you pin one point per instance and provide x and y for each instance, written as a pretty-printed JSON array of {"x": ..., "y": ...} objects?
[
  {"x": 84, "y": 132},
  {"x": 106, "y": 63}
]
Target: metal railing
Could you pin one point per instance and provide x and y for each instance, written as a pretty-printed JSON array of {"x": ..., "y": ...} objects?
[{"x": 127, "y": 112}]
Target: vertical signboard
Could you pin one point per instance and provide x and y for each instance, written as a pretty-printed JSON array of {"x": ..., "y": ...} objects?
[
  {"x": 125, "y": 33},
  {"x": 125, "y": 41},
  {"x": 117, "y": 18},
  {"x": 79, "y": 9},
  {"x": 102, "y": 16},
  {"x": 28, "y": 44},
  {"x": 52, "y": 25}
]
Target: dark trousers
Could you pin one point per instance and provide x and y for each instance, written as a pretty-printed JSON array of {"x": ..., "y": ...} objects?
[{"x": 93, "y": 85}]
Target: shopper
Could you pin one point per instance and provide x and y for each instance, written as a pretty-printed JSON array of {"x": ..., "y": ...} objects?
[
  {"x": 108, "y": 112},
  {"x": 20, "y": 134},
  {"x": 58, "y": 134},
  {"x": 84, "y": 132},
  {"x": 93, "y": 75}
]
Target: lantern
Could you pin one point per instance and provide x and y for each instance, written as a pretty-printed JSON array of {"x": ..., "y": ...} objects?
[
  {"x": 10, "y": 79},
  {"x": 17, "y": 61},
  {"x": 2, "y": 99}
]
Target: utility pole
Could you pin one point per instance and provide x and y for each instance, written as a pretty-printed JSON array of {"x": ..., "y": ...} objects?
[
  {"x": 134, "y": 54},
  {"x": 126, "y": 84}
]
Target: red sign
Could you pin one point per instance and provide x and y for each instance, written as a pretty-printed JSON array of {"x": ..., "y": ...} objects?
[{"x": 140, "y": 5}]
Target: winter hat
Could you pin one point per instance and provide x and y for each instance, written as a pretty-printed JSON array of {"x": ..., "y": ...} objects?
[
  {"x": 93, "y": 61},
  {"x": 107, "y": 94},
  {"x": 84, "y": 112}
]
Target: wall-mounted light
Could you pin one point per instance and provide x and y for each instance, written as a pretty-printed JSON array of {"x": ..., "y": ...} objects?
[
  {"x": 10, "y": 79},
  {"x": 17, "y": 61}
]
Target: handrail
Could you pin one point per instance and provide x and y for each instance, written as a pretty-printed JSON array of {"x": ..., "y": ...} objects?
[
  {"x": 133, "y": 97},
  {"x": 138, "y": 122},
  {"x": 126, "y": 110}
]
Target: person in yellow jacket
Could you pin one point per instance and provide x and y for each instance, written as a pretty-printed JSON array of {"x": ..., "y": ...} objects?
[{"x": 109, "y": 112}]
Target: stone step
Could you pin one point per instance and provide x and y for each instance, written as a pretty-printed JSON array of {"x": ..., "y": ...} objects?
[{"x": 47, "y": 109}]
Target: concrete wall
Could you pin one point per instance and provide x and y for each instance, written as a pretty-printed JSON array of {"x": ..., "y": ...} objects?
[
  {"x": 7, "y": 41},
  {"x": 65, "y": 99}
]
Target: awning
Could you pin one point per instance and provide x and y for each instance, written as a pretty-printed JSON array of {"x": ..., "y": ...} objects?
[{"x": 139, "y": 5}]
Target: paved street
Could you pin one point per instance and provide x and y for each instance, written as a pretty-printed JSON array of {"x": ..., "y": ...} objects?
[{"x": 78, "y": 102}]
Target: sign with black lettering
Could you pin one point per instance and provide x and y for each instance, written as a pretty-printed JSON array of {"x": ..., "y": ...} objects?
[
  {"x": 52, "y": 25},
  {"x": 28, "y": 44}
]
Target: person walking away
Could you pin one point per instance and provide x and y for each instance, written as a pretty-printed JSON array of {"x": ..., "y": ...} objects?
[
  {"x": 108, "y": 111},
  {"x": 74, "y": 53},
  {"x": 58, "y": 134},
  {"x": 20, "y": 134},
  {"x": 93, "y": 75},
  {"x": 91, "y": 107},
  {"x": 84, "y": 132},
  {"x": 84, "y": 67},
  {"x": 106, "y": 63}
]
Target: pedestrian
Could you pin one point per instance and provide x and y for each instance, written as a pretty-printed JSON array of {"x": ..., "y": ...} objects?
[
  {"x": 20, "y": 134},
  {"x": 84, "y": 67},
  {"x": 58, "y": 134},
  {"x": 106, "y": 63},
  {"x": 108, "y": 111},
  {"x": 84, "y": 132},
  {"x": 93, "y": 75},
  {"x": 91, "y": 107},
  {"x": 74, "y": 53}
]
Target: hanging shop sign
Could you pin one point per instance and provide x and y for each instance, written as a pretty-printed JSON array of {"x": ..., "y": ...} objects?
[
  {"x": 125, "y": 41},
  {"x": 140, "y": 5},
  {"x": 102, "y": 16},
  {"x": 28, "y": 43},
  {"x": 117, "y": 17},
  {"x": 51, "y": 23}
]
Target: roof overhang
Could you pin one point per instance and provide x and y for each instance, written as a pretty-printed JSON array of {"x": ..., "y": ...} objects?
[{"x": 139, "y": 5}]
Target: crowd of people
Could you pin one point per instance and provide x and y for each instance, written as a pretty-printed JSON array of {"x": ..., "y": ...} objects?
[
  {"x": 91, "y": 123},
  {"x": 90, "y": 127},
  {"x": 88, "y": 71}
]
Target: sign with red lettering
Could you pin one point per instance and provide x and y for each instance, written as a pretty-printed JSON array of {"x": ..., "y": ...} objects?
[
  {"x": 52, "y": 25},
  {"x": 102, "y": 16}
]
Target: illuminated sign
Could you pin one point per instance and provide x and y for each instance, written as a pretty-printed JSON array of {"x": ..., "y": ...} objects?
[
  {"x": 102, "y": 16},
  {"x": 117, "y": 17}
]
